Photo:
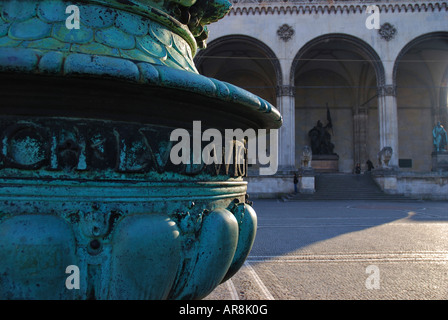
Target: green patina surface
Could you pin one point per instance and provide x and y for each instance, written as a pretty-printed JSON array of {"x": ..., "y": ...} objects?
[
  {"x": 100, "y": 193},
  {"x": 103, "y": 31}
]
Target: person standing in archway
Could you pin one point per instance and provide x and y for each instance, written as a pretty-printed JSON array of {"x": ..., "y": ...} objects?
[
  {"x": 358, "y": 168},
  {"x": 369, "y": 165}
]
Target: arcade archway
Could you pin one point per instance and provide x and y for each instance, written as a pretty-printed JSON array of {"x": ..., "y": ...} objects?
[
  {"x": 421, "y": 74},
  {"x": 343, "y": 73},
  {"x": 242, "y": 61}
]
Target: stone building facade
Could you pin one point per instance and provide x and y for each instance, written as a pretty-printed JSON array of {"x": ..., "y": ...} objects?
[{"x": 381, "y": 67}]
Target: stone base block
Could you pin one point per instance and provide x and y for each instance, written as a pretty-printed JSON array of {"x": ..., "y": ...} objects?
[
  {"x": 440, "y": 161},
  {"x": 307, "y": 184},
  {"x": 270, "y": 186},
  {"x": 387, "y": 183},
  {"x": 325, "y": 163}
]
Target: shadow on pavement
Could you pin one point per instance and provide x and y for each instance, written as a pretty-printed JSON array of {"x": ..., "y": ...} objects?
[{"x": 288, "y": 227}]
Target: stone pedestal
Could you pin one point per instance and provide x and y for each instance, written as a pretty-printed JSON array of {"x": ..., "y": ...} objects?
[
  {"x": 306, "y": 180},
  {"x": 439, "y": 161},
  {"x": 325, "y": 163},
  {"x": 306, "y": 184}
]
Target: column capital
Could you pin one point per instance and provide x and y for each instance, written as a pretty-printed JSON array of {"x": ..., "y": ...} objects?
[
  {"x": 285, "y": 90},
  {"x": 387, "y": 90}
]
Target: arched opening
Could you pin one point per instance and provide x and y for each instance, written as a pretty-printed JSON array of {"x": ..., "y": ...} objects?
[
  {"x": 243, "y": 61},
  {"x": 343, "y": 73},
  {"x": 421, "y": 73}
]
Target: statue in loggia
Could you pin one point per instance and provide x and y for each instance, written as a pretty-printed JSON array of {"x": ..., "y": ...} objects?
[
  {"x": 440, "y": 139},
  {"x": 320, "y": 137}
]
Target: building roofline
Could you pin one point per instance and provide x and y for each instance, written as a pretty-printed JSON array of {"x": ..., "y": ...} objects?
[{"x": 252, "y": 7}]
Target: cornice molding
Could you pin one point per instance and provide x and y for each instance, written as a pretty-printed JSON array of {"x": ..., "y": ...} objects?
[{"x": 252, "y": 7}]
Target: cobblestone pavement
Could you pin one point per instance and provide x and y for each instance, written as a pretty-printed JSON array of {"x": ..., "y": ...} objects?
[{"x": 345, "y": 250}]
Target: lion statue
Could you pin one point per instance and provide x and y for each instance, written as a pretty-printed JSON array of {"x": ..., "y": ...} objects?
[{"x": 384, "y": 157}]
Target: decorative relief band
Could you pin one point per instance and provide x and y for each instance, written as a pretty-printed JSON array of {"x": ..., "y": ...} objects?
[{"x": 96, "y": 146}]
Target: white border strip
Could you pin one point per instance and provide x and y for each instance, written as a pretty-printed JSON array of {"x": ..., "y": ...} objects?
[
  {"x": 231, "y": 287},
  {"x": 260, "y": 283}
]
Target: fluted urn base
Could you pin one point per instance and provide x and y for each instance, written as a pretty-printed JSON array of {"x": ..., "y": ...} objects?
[{"x": 122, "y": 250}]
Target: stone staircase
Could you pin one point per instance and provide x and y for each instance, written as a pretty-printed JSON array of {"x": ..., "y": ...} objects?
[{"x": 338, "y": 186}]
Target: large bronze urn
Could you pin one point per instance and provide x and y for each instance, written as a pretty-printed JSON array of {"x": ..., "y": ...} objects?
[{"x": 91, "y": 204}]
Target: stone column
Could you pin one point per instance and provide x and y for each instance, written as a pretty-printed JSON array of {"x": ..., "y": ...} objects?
[
  {"x": 388, "y": 120},
  {"x": 360, "y": 120},
  {"x": 286, "y": 105}
]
